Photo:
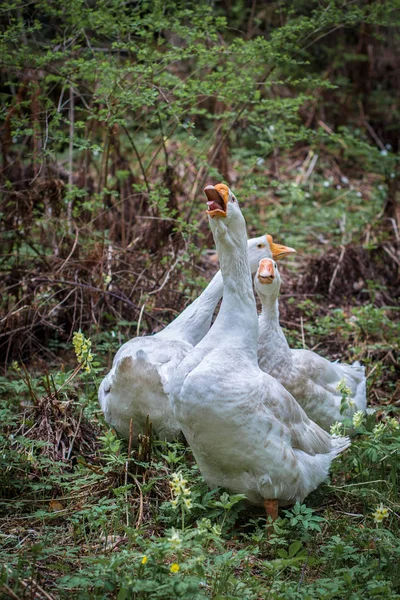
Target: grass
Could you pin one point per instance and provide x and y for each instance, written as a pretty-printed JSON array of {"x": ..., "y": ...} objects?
[{"x": 83, "y": 516}]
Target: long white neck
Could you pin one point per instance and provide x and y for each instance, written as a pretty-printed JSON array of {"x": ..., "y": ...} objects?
[
  {"x": 195, "y": 321},
  {"x": 273, "y": 349},
  {"x": 236, "y": 324}
]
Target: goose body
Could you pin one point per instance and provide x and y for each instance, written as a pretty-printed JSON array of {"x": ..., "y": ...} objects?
[
  {"x": 313, "y": 380},
  {"x": 136, "y": 386},
  {"x": 246, "y": 431}
]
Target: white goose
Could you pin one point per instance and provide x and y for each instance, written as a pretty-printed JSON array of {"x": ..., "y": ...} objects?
[
  {"x": 246, "y": 431},
  {"x": 136, "y": 385},
  {"x": 312, "y": 379}
]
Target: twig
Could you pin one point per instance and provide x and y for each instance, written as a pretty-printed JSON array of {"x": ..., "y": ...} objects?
[
  {"x": 71, "y": 116},
  {"x": 335, "y": 272},
  {"x": 93, "y": 289},
  {"x": 311, "y": 167},
  {"x": 168, "y": 275},
  {"x": 140, "y": 517},
  {"x": 75, "y": 434},
  {"x": 303, "y": 339},
  {"x": 35, "y": 584},
  {"x": 71, "y": 253},
  {"x": 392, "y": 255},
  {"x": 304, "y": 166},
  {"x": 138, "y": 158},
  {"x": 140, "y": 319},
  {"x": 7, "y": 590},
  {"x": 127, "y": 468},
  {"x": 28, "y": 585},
  {"x": 374, "y": 135}
]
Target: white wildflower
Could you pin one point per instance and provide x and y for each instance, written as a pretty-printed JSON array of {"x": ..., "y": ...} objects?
[
  {"x": 393, "y": 423},
  {"x": 381, "y": 512},
  {"x": 358, "y": 418},
  {"x": 337, "y": 428},
  {"x": 378, "y": 430},
  {"x": 175, "y": 541}
]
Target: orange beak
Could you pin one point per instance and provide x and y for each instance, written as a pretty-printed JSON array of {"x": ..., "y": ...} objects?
[
  {"x": 266, "y": 271},
  {"x": 217, "y": 200},
  {"x": 278, "y": 250}
]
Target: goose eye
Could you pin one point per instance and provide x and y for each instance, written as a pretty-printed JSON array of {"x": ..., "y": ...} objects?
[
  {"x": 233, "y": 198},
  {"x": 260, "y": 246}
]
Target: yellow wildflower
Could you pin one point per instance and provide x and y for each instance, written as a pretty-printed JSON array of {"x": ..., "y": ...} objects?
[
  {"x": 174, "y": 568},
  {"x": 144, "y": 560},
  {"x": 82, "y": 347},
  {"x": 381, "y": 512}
]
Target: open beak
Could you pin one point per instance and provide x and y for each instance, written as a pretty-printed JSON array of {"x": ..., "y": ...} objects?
[
  {"x": 278, "y": 250},
  {"x": 216, "y": 202},
  {"x": 266, "y": 271}
]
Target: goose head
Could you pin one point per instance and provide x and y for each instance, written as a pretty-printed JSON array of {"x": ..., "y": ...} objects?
[
  {"x": 265, "y": 247},
  {"x": 267, "y": 280},
  {"x": 220, "y": 200},
  {"x": 225, "y": 217}
]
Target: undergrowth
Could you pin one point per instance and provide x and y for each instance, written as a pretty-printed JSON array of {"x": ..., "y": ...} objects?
[{"x": 85, "y": 516}]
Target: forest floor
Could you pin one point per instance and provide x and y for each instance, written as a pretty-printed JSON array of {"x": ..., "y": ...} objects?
[{"x": 85, "y": 516}]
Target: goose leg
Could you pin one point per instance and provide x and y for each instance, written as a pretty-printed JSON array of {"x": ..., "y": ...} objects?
[{"x": 271, "y": 508}]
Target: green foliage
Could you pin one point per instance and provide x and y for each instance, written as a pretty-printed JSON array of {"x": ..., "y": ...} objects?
[
  {"x": 113, "y": 117},
  {"x": 111, "y": 524}
]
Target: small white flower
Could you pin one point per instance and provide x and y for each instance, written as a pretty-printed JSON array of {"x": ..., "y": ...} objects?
[
  {"x": 359, "y": 195},
  {"x": 203, "y": 526},
  {"x": 343, "y": 388},
  {"x": 384, "y": 152},
  {"x": 370, "y": 410},
  {"x": 344, "y": 180},
  {"x": 271, "y": 128},
  {"x": 389, "y": 146},
  {"x": 307, "y": 195},
  {"x": 326, "y": 184},
  {"x": 260, "y": 161},
  {"x": 337, "y": 428},
  {"x": 358, "y": 418},
  {"x": 338, "y": 187},
  {"x": 393, "y": 423},
  {"x": 378, "y": 430},
  {"x": 188, "y": 503},
  {"x": 381, "y": 512},
  {"x": 216, "y": 530},
  {"x": 175, "y": 540}
]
